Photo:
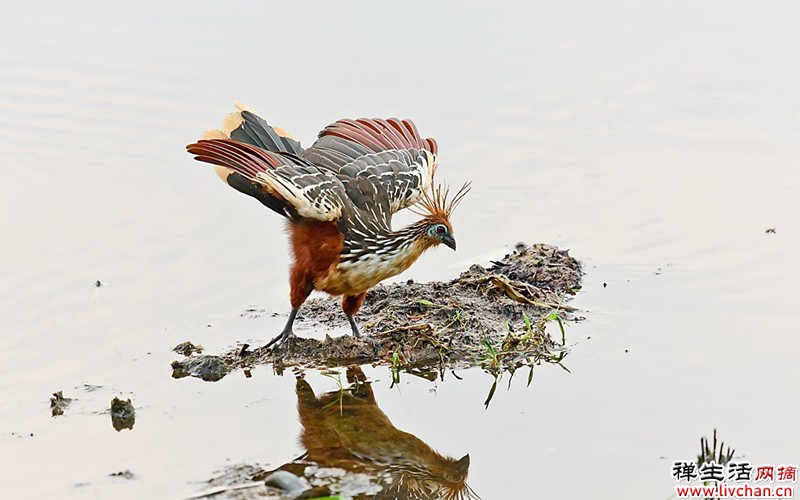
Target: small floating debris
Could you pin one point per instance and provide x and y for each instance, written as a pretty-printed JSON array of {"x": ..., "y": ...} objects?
[
  {"x": 208, "y": 368},
  {"x": 187, "y": 348},
  {"x": 123, "y": 414},
  {"x": 58, "y": 403},
  {"x": 252, "y": 313}
]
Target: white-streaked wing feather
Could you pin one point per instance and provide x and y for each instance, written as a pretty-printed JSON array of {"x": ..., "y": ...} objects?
[
  {"x": 314, "y": 193},
  {"x": 311, "y": 191},
  {"x": 391, "y": 150},
  {"x": 405, "y": 174}
]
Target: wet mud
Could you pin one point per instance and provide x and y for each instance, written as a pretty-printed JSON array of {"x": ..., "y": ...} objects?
[{"x": 494, "y": 317}]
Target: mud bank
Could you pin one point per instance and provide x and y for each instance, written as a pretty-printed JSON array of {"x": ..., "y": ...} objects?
[{"x": 494, "y": 317}]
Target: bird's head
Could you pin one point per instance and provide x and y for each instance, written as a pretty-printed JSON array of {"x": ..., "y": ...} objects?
[
  {"x": 436, "y": 207},
  {"x": 441, "y": 232}
]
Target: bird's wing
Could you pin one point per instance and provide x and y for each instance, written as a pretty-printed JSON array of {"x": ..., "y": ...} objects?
[
  {"x": 284, "y": 182},
  {"x": 388, "y": 152}
]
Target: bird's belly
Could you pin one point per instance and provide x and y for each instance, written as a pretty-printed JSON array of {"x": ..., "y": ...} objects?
[{"x": 352, "y": 278}]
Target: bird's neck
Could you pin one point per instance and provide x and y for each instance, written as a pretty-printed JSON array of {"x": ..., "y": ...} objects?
[
  {"x": 398, "y": 249},
  {"x": 394, "y": 251},
  {"x": 413, "y": 231},
  {"x": 407, "y": 244}
]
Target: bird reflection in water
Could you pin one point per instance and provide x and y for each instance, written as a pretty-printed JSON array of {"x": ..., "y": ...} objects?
[{"x": 346, "y": 430}]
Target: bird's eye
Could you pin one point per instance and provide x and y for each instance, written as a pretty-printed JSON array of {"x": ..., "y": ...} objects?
[{"x": 440, "y": 229}]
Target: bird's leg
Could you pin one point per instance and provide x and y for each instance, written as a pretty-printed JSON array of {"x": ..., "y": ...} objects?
[
  {"x": 287, "y": 330},
  {"x": 301, "y": 286},
  {"x": 353, "y": 325},
  {"x": 350, "y": 305}
]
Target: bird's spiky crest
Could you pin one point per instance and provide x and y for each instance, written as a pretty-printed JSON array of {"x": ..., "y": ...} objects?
[{"x": 436, "y": 202}]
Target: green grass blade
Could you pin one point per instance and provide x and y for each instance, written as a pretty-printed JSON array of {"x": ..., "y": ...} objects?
[{"x": 491, "y": 395}]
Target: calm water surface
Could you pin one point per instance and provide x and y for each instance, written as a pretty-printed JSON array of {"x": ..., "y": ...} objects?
[{"x": 658, "y": 143}]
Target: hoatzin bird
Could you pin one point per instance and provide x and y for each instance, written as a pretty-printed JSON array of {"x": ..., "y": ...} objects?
[{"x": 338, "y": 196}]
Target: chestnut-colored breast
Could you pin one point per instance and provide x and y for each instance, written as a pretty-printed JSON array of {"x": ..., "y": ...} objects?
[{"x": 316, "y": 247}]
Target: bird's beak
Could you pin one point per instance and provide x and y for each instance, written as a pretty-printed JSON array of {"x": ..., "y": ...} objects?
[{"x": 449, "y": 241}]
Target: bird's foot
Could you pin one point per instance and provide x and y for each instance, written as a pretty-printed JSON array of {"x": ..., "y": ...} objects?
[
  {"x": 285, "y": 334},
  {"x": 372, "y": 342}
]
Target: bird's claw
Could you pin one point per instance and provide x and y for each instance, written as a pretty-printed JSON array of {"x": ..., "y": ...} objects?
[{"x": 280, "y": 339}]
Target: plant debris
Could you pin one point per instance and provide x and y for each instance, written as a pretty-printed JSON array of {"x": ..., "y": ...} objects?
[
  {"x": 495, "y": 317},
  {"x": 714, "y": 453}
]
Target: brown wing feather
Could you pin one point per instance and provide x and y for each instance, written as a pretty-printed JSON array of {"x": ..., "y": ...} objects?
[
  {"x": 379, "y": 135},
  {"x": 351, "y": 131},
  {"x": 238, "y": 165},
  {"x": 243, "y": 158}
]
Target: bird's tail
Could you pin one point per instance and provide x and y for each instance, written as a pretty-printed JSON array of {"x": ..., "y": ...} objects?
[{"x": 244, "y": 125}]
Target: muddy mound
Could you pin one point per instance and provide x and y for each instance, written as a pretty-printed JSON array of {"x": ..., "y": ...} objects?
[{"x": 494, "y": 316}]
